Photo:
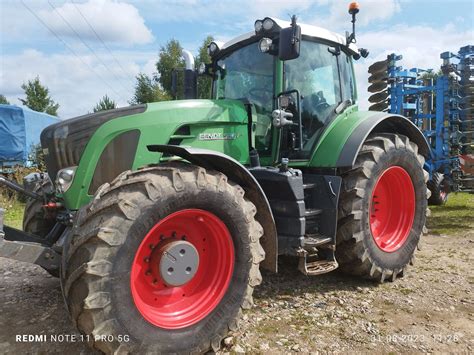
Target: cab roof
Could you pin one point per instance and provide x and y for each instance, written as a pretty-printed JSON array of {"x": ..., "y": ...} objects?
[{"x": 306, "y": 30}]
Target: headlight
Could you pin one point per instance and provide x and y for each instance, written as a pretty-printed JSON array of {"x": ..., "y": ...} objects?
[
  {"x": 268, "y": 24},
  {"x": 64, "y": 178},
  {"x": 212, "y": 49},
  {"x": 258, "y": 26},
  {"x": 265, "y": 45}
]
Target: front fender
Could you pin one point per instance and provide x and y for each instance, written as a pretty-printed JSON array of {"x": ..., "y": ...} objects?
[
  {"x": 342, "y": 141},
  {"x": 239, "y": 174}
]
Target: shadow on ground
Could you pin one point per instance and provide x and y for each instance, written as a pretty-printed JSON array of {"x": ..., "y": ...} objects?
[{"x": 290, "y": 280}]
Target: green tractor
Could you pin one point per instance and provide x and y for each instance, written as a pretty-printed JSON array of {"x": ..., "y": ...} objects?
[{"x": 158, "y": 218}]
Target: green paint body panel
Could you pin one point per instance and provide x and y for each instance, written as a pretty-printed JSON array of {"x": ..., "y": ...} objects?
[
  {"x": 205, "y": 119},
  {"x": 334, "y": 137},
  {"x": 160, "y": 121}
]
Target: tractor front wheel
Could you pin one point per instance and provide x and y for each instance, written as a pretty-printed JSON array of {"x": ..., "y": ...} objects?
[
  {"x": 35, "y": 219},
  {"x": 383, "y": 208},
  {"x": 162, "y": 260}
]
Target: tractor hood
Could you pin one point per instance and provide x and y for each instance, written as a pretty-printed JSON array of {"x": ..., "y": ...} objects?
[{"x": 168, "y": 122}]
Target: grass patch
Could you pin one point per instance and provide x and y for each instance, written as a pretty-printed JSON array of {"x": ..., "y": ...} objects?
[
  {"x": 13, "y": 212},
  {"x": 453, "y": 218}
]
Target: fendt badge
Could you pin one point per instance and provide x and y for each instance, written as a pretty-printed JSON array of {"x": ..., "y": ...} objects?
[{"x": 217, "y": 136}]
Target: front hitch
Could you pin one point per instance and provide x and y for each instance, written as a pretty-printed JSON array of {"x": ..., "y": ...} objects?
[
  {"x": 21, "y": 246},
  {"x": 18, "y": 188}
]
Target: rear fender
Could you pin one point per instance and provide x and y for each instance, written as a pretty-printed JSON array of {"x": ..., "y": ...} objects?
[
  {"x": 239, "y": 174},
  {"x": 339, "y": 147},
  {"x": 381, "y": 123}
]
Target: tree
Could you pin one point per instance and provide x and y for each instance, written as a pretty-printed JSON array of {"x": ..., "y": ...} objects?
[
  {"x": 37, "y": 97},
  {"x": 3, "y": 100},
  {"x": 169, "y": 59},
  {"x": 106, "y": 103},
  {"x": 204, "y": 82},
  {"x": 147, "y": 90}
]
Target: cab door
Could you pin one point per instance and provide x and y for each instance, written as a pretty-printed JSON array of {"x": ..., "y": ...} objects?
[{"x": 322, "y": 78}]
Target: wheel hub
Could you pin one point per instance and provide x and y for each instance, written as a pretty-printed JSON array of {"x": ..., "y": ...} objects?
[
  {"x": 182, "y": 268},
  {"x": 392, "y": 209},
  {"x": 177, "y": 262}
]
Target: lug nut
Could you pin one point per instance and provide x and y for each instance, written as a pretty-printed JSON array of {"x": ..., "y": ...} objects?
[{"x": 147, "y": 259}]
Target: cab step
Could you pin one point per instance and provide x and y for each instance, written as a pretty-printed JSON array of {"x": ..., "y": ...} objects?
[
  {"x": 312, "y": 212},
  {"x": 312, "y": 264},
  {"x": 315, "y": 240}
]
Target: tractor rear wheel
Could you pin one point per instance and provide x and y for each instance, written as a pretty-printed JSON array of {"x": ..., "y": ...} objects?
[
  {"x": 166, "y": 256},
  {"x": 439, "y": 188},
  {"x": 382, "y": 211}
]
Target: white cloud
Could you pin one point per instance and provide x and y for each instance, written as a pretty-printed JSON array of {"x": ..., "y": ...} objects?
[
  {"x": 73, "y": 84},
  {"x": 114, "y": 21},
  {"x": 420, "y": 47},
  {"x": 372, "y": 11}
]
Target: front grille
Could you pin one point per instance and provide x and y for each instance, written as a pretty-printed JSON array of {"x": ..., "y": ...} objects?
[{"x": 63, "y": 143}]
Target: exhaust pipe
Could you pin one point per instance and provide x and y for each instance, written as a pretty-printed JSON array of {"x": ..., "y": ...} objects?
[{"x": 190, "y": 77}]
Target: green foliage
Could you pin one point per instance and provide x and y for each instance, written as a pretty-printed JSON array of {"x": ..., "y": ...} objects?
[
  {"x": 147, "y": 90},
  {"x": 169, "y": 59},
  {"x": 106, "y": 103},
  {"x": 3, "y": 100},
  {"x": 36, "y": 157},
  {"x": 37, "y": 97},
  {"x": 204, "y": 82},
  {"x": 431, "y": 75}
]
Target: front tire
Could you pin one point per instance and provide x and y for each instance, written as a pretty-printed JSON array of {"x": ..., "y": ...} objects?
[
  {"x": 35, "y": 219},
  {"x": 382, "y": 209},
  {"x": 113, "y": 276}
]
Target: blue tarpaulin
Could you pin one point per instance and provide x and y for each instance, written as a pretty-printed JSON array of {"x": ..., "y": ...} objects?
[{"x": 20, "y": 130}]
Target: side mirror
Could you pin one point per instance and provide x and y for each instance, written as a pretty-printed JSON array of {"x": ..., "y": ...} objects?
[{"x": 290, "y": 41}]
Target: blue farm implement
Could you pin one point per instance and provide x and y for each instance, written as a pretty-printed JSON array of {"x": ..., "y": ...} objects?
[{"x": 440, "y": 104}]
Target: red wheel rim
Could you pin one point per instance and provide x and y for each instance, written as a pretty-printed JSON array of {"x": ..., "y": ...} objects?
[
  {"x": 174, "y": 307},
  {"x": 392, "y": 209}
]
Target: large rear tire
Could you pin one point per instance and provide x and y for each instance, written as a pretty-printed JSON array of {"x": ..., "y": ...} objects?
[
  {"x": 117, "y": 278},
  {"x": 382, "y": 211},
  {"x": 439, "y": 188}
]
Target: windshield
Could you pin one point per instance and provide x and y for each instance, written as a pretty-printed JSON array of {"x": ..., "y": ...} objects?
[{"x": 247, "y": 74}]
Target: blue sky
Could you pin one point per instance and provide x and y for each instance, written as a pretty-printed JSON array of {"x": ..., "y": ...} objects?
[{"x": 79, "y": 74}]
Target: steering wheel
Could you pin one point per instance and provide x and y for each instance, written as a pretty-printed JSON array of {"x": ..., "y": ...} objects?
[{"x": 318, "y": 102}]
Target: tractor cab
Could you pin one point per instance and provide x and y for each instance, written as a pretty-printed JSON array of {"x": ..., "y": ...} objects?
[{"x": 296, "y": 79}]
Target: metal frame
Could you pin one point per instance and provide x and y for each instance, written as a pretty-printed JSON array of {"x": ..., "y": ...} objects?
[{"x": 440, "y": 109}]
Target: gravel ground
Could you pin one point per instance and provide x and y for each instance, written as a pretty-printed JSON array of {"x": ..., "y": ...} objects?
[{"x": 429, "y": 310}]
